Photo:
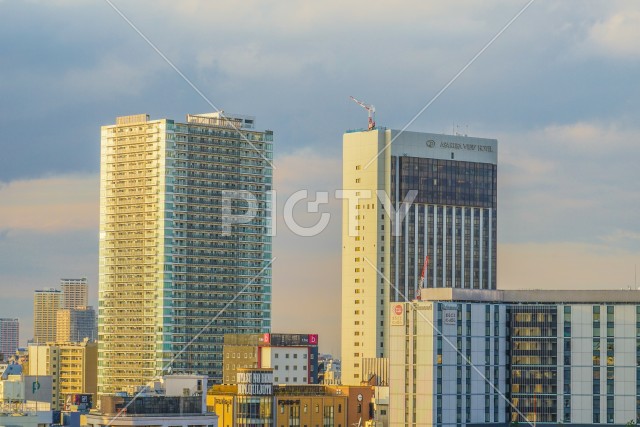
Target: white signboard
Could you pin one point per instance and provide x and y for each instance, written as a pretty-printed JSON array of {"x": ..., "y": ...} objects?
[
  {"x": 450, "y": 317},
  {"x": 255, "y": 383}
]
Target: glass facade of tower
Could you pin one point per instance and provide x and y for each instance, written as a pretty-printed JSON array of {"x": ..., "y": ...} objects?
[
  {"x": 453, "y": 220},
  {"x": 185, "y": 244}
]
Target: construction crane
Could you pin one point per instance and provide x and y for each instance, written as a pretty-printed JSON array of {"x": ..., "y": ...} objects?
[
  {"x": 421, "y": 282},
  {"x": 370, "y": 109}
]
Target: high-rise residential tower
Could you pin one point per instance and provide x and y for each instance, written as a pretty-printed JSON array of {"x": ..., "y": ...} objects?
[
  {"x": 46, "y": 304},
  {"x": 408, "y": 196},
  {"x": 185, "y": 244},
  {"x": 9, "y": 337},
  {"x": 75, "y": 292},
  {"x": 76, "y": 324}
]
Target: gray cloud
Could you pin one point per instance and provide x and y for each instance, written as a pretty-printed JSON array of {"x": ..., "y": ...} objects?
[{"x": 75, "y": 65}]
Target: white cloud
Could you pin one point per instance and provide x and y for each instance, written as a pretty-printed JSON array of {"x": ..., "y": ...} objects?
[
  {"x": 53, "y": 204},
  {"x": 575, "y": 182},
  {"x": 565, "y": 265},
  {"x": 618, "y": 34}
]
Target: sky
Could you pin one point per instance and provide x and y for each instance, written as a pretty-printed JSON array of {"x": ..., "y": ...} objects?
[{"x": 558, "y": 89}]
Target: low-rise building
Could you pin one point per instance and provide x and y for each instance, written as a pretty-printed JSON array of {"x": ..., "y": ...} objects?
[
  {"x": 179, "y": 401},
  {"x": 19, "y": 399},
  {"x": 330, "y": 374},
  {"x": 72, "y": 366},
  {"x": 293, "y": 357},
  {"x": 254, "y": 401},
  {"x": 470, "y": 357}
]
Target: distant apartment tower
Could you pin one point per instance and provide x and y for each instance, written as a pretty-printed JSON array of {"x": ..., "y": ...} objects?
[
  {"x": 9, "y": 337},
  {"x": 76, "y": 324},
  {"x": 185, "y": 244},
  {"x": 75, "y": 292},
  {"x": 293, "y": 357},
  {"x": 408, "y": 196},
  {"x": 46, "y": 304}
]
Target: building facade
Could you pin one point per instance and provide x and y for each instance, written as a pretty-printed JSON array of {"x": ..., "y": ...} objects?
[
  {"x": 292, "y": 357},
  {"x": 73, "y": 368},
  {"x": 46, "y": 304},
  {"x": 479, "y": 357},
  {"x": 185, "y": 244},
  {"x": 409, "y": 196},
  {"x": 178, "y": 401},
  {"x": 76, "y": 324},
  {"x": 75, "y": 292},
  {"x": 293, "y": 406},
  {"x": 9, "y": 337},
  {"x": 330, "y": 371}
]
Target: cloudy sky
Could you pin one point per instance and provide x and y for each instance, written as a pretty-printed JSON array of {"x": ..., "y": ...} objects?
[{"x": 559, "y": 89}]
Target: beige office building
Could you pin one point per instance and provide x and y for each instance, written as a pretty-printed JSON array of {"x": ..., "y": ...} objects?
[{"x": 46, "y": 304}]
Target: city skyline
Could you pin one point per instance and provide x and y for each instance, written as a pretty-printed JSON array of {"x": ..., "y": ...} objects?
[{"x": 557, "y": 90}]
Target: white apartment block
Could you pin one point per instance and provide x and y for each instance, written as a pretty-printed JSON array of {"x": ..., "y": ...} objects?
[{"x": 479, "y": 357}]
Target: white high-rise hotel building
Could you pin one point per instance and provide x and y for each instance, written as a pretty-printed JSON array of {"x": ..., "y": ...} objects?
[{"x": 452, "y": 219}]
